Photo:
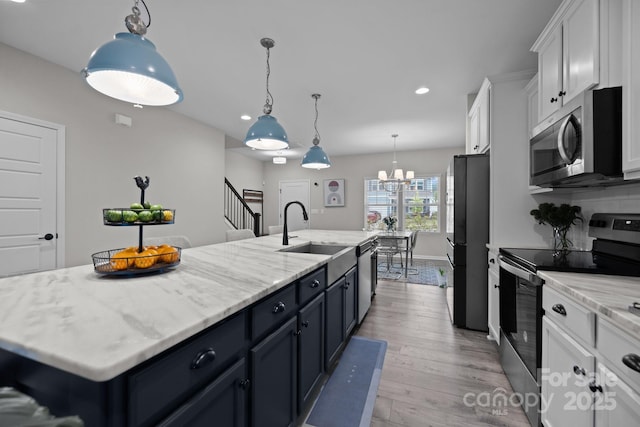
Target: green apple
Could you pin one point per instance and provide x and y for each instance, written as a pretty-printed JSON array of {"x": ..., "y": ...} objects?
[
  {"x": 114, "y": 215},
  {"x": 156, "y": 207},
  {"x": 146, "y": 205},
  {"x": 130, "y": 216},
  {"x": 145, "y": 216},
  {"x": 136, "y": 206},
  {"x": 157, "y": 215}
]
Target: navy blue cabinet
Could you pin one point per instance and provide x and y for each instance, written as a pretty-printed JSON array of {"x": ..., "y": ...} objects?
[
  {"x": 350, "y": 301},
  {"x": 274, "y": 377},
  {"x": 334, "y": 334},
  {"x": 311, "y": 349},
  {"x": 222, "y": 403}
]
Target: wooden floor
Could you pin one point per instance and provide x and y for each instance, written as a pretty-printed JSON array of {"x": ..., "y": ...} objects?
[{"x": 430, "y": 365}]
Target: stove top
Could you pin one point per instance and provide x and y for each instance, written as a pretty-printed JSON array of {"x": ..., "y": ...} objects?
[
  {"x": 571, "y": 261},
  {"x": 616, "y": 249}
]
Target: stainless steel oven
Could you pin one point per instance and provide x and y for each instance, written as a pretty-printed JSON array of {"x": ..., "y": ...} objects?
[{"x": 521, "y": 329}]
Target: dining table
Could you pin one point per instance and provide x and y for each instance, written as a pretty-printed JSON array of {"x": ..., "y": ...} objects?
[{"x": 403, "y": 236}]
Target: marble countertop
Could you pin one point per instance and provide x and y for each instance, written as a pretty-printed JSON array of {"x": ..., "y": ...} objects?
[
  {"x": 608, "y": 296},
  {"x": 98, "y": 326}
]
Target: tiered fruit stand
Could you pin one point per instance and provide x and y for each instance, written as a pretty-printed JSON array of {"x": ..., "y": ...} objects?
[{"x": 138, "y": 260}]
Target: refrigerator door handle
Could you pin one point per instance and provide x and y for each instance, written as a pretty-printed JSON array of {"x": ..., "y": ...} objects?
[{"x": 450, "y": 262}]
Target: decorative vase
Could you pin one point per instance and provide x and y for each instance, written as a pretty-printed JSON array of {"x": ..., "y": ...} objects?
[{"x": 560, "y": 240}]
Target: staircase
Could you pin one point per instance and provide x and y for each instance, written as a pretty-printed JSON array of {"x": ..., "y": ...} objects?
[{"x": 238, "y": 212}]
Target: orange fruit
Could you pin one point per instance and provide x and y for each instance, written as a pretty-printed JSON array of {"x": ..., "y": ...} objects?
[
  {"x": 122, "y": 260},
  {"x": 146, "y": 258},
  {"x": 168, "y": 254}
]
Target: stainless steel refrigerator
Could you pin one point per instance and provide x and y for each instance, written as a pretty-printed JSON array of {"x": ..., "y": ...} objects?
[{"x": 467, "y": 237}]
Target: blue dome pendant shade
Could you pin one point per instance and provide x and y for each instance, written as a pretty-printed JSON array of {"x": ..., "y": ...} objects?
[
  {"x": 316, "y": 158},
  {"x": 129, "y": 68},
  {"x": 267, "y": 134}
]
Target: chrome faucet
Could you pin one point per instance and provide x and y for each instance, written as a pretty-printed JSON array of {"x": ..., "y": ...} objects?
[{"x": 285, "y": 234}]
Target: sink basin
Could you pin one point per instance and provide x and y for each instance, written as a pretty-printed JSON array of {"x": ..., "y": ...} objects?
[
  {"x": 344, "y": 257},
  {"x": 311, "y": 248}
]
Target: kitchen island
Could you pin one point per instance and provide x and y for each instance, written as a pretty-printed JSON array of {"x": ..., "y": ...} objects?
[{"x": 99, "y": 329}]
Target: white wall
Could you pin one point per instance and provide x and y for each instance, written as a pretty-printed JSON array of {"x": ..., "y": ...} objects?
[
  {"x": 183, "y": 158},
  {"x": 354, "y": 170}
]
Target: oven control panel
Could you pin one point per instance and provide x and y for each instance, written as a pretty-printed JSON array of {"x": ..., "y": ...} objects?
[{"x": 618, "y": 227}]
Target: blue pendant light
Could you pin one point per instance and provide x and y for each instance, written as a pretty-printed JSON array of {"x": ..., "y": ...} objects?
[
  {"x": 129, "y": 67},
  {"x": 316, "y": 158},
  {"x": 267, "y": 133}
]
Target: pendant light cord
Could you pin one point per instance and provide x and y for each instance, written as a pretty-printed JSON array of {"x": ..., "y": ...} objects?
[
  {"x": 316, "y": 140},
  {"x": 135, "y": 8},
  {"x": 269, "y": 100}
]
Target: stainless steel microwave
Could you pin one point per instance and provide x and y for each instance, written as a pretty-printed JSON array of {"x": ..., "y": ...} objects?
[{"x": 581, "y": 144}]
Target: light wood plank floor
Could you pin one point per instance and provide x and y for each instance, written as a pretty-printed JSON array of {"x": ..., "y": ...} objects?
[{"x": 430, "y": 365}]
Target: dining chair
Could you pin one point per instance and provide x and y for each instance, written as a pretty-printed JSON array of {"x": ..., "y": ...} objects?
[
  {"x": 243, "y": 233},
  {"x": 389, "y": 247},
  {"x": 178, "y": 240}
]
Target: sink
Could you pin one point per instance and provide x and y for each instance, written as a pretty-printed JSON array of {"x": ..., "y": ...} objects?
[
  {"x": 343, "y": 257},
  {"x": 312, "y": 248}
]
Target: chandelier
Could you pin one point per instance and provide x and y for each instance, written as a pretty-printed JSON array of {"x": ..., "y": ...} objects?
[{"x": 395, "y": 179}]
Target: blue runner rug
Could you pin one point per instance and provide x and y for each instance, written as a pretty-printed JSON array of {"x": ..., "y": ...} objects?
[{"x": 347, "y": 399}]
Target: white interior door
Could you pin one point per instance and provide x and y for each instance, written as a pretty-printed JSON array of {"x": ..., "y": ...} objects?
[
  {"x": 28, "y": 194},
  {"x": 294, "y": 191}
]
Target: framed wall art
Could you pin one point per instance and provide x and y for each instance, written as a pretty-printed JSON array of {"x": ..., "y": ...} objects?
[{"x": 333, "y": 192}]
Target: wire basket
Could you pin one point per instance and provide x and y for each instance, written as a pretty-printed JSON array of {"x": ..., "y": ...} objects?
[
  {"x": 126, "y": 216},
  {"x": 128, "y": 262}
]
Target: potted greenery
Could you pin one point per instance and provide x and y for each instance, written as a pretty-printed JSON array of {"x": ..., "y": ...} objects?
[
  {"x": 390, "y": 221},
  {"x": 560, "y": 218}
]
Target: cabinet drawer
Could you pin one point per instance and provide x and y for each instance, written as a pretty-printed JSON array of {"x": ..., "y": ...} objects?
[
  {"x": 272, "y": 311},
  {"x": 163, "y": 384},
  {"x": 311, "y": 285},
  {"x": 614, "y": 344},
  {"x": 569, "y": 315}
]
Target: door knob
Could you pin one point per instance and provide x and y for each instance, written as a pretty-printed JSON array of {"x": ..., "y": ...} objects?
[{"x": 47, "y": 236}]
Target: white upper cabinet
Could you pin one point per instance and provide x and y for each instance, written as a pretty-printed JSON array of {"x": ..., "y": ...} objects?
[
  {"x": 478, "y": 121},
  {"x": 568, "y": 54},
  {"x": 631, "y": 89}
]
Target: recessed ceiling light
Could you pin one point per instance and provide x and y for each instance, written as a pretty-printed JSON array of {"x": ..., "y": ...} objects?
[
  {"x": 245, "y": 117},
  {"x": 18, "y": 1},
  {"x": 422, "y": 90},
  {"x": 279, "y": 160}
]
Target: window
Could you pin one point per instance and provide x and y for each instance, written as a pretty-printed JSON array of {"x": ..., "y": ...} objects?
[{"x": 419, "y": 204}]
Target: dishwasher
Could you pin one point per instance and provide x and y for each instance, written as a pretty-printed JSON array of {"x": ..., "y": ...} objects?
[{"x": 366, "y": 276}]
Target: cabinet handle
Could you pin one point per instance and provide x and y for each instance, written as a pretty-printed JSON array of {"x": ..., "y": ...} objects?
[
  {"x": 296, "y": 333},
  {"x": 315, "y": 283},
  {"x": 244, "y": 384},
  {"x": 203, "y": 358},
  {"x": 476, "y": 147},
  {"x": 632, "y": 361},
  {"x": 559, "y": 308},
  {"x": 279, "y": 307},
  {"x": 496, "y": 286},
  {"x": 492, "y": 261},
  {"x": 305, "y": 323},
  {"x": 554, "y": 100},
  {"x": 595, "y": 387},
  {"x": 578, "y": 370},
  {"x": 562, "y": 93}
]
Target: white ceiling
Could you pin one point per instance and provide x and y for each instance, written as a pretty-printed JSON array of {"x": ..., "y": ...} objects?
[{"x": 365, "y": 57}]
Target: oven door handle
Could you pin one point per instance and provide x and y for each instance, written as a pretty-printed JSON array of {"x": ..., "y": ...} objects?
[{"x": 517, "y": 271}]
